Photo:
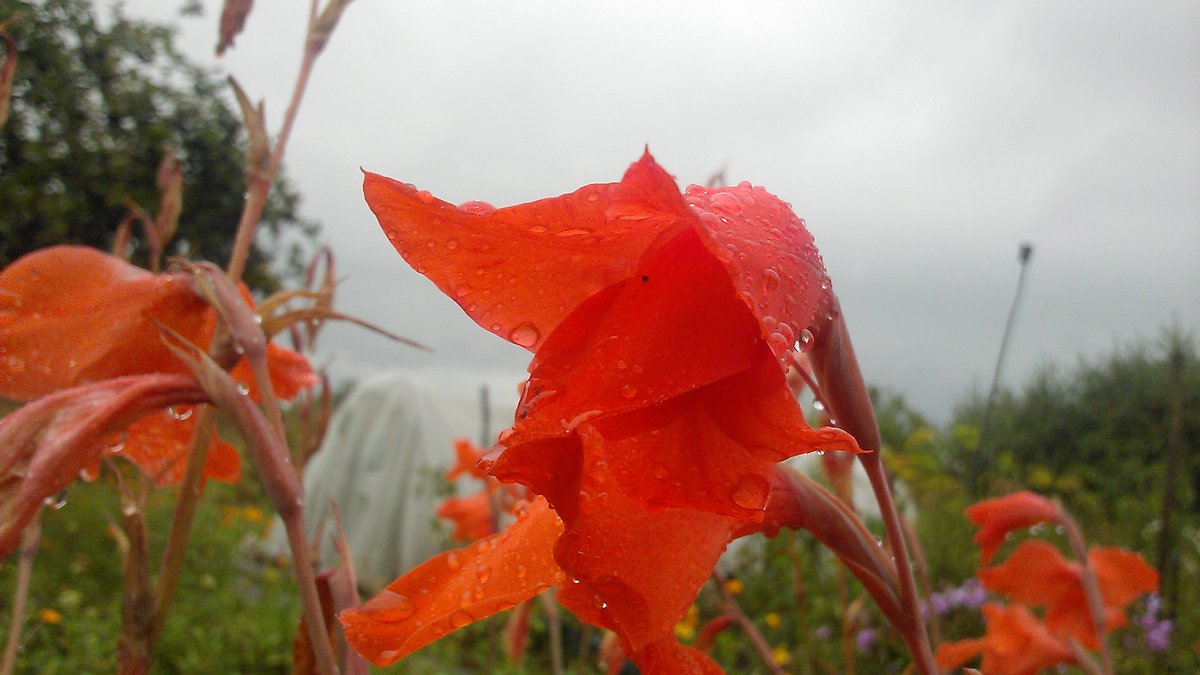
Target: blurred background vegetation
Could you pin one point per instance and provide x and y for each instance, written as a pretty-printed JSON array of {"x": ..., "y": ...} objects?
[
  {"x": 1094, "y": 435},
  {"x": 96, "y": 103}
]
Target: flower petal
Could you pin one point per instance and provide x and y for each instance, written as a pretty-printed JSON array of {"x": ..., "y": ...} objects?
[
  {"x": 668, "y": 657},
  {"x": 997, "y": 517},
  {"x": 471, "y": 516},
  {"x": 770, "y": 257},
  {"x": 951, "y": 655},
  {"x": 1017, "y": 643},
  {"x": 45, "y": 444},
  {"x": 1123, "y": 575},
  {"x": 637, "y": 570},
  {"x": 289, "y": 370},
  {"x": 507, "y": 267},
  {"x": 72, "y": 315},
  {"x": 1035, "y": 574},
  {"x": 457, "y": 588},
  {"x": 675, "y": 327},
  {"x": 158, "y": 445}
]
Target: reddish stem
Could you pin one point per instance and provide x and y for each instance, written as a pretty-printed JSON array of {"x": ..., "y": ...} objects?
[
  {"x": 1091, "y": 587},
  {"x": 29, "y": 546},
  {"x": 849, "y": 404}
]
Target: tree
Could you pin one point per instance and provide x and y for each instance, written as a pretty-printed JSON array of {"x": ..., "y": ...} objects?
[
  {"x": 95, "y": 107},
  {"x": 1096, "y": 436}
]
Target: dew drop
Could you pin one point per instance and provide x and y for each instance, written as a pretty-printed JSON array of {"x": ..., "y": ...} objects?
[
  {"x": 452, "y": 561},
  {"x": 629, "y": 391},
  {"x": 751, "y": 492},
  {"x": 779, "y": 344},
  {"x": 477, "y": 208},
  {"x": 425, "y": 197},
  {"x": 770, "y": 280},
  {"x": 804, "y": 341},
  {"x": 525, "y": 335},
  {"x": 180, "y": 412},
  {"x": 243, "y": 389},
  {"x": 393, "y": 608},
  {"x": 818, "y": 405},
  {"x": 56, "y": 501},
  {"x": 573, "y": 232}
]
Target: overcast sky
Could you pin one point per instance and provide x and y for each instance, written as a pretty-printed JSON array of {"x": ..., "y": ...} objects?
[{"x": 922, "y": 142}]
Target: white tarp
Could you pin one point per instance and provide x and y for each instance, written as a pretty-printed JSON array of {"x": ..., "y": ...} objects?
[{"x": 389, "y": 444}]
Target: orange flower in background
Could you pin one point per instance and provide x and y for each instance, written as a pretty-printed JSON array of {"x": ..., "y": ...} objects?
[
  {"x": 467, "y": 461},
  {"x": 997, "y": 517},
  {"x": 472, "y": 516},
  {"x": 1036, "y": 574},
  {"x": 1015, "y": 643},
  {"x": 657, "y": 405},
  {"x": 72, "y": 315}
]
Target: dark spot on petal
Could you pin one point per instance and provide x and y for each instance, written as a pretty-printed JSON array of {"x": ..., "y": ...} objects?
[{"x": 645, "y": 278}]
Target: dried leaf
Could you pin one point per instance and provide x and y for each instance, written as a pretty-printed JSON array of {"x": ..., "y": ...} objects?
[
  {"x": 322, "y": 29},
  {"x": 233, "y": 20},
  {"x": 258, "y": 147},
  {"x": 170, "y": 188}
]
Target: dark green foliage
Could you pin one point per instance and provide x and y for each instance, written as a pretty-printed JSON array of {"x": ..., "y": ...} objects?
[{"x": 95, "y": 105}]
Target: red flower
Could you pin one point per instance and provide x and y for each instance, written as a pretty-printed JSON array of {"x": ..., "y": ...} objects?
[
  {"x": 657, "y": 406},
  {"x": 467, "y": 462},
  {"x": 997, "y": 517},
  {"x": 71, "y": 315},
  {"x": 1016, "y": 643},
  {"x": 1036, "y": 574},
  {"x": 472, "y": 516}
]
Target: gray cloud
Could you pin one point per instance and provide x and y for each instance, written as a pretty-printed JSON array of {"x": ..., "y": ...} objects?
[{"x": 921, "y": 143}]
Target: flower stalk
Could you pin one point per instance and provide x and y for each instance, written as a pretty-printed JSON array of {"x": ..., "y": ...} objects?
[{"x": 850, "y": 408}]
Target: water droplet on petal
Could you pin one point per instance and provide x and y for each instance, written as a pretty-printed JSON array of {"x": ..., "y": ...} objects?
[
  {"x": 452, "y": 560},
  {"x": 392, "y": 608},
  {"x": 425, "y": 197},
  {"x": 751, "y": 492},
  {"x": 770, "y": 280},
  {"x": 629, "y": 391},
  {"x": 525, "y": 335},
  {"x": 56, "y": 501},
  {"x": 804, "y": 341},
  {"x": 477, "y": 208}
]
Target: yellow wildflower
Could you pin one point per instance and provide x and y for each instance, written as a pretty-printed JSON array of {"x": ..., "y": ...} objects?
[
  {"x": 781, "y": 655},
  {"x": 49, "y": 616},
  {"x": 772, "y": 620},
  {"x": 733, "y": 586}
]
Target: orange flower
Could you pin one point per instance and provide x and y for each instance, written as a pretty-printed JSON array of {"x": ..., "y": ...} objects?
[
  {"x": 1016, "y": 643},
  {"x": 997, "y": 517},
  {"x": 657, "y": 406},
  {"x": 71, "y": 315},
  {"x": 467, "y": 463},
  {"x": 472, "y": 516},
  {"x": 1036, "y": 574}
]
